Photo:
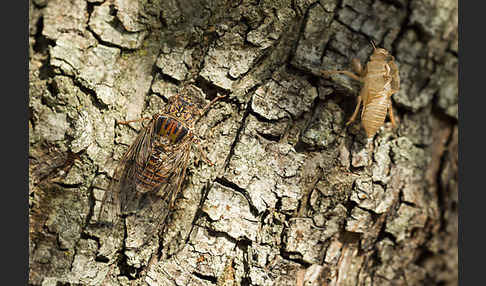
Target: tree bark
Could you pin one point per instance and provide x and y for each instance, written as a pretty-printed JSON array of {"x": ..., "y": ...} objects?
[{"x": 294, "y": 195}]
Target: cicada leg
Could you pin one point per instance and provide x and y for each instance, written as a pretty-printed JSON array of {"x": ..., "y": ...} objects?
[
  {"x": 348, "y": 73},
  {"x": 355, "y": 113},
  {"x": 356, "y": 66},
  {"x": 203, "y": 154},
  {"x": 134, "y": 120},
  {"x": 390, "y": 113},
  {"x": 205, "y": 109}
]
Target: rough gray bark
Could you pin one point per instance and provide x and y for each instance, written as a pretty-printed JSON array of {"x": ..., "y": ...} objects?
[{"x": 294, "y": 195}]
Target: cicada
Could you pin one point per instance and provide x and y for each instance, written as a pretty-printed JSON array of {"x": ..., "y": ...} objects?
[
  {"x": 151, "y": 173},
  {"x": 380, "y": 81}
]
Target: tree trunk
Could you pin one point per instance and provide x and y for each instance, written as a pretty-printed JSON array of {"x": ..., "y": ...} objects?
[{"x": 295, "y": 196}]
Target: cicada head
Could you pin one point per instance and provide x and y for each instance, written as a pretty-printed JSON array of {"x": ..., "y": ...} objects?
[
  {"x": 379, "y": 54},
  {"x": 185, "y": 106}
]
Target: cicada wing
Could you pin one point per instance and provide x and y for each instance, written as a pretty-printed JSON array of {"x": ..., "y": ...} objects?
[
  {"x": 157, "y": 204},
  {"x": 122, "y": 185}
]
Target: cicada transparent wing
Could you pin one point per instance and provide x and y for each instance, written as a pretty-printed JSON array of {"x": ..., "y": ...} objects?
[
  {"x": 155, "y": 206},
  {"x": 122, "y": 183}
]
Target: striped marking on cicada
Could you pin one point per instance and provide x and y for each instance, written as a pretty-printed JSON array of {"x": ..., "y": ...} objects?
[
  {"x": 380, "y": 81},
  {"x": 172, "y": 128},
  {"x": 149, "y": 175}
]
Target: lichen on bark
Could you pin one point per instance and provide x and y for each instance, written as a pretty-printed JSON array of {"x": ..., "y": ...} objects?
[{"x": 294, "y": 197}]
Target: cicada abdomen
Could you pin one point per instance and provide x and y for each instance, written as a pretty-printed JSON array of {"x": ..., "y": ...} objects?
[
  {"x": 380, "y": 81},
  {"x": 373, "y": 115}
]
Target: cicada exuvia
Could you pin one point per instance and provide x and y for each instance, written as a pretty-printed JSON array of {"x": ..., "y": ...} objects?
[
  {"x": 148, "y": 178},
  {"x": 380, "y": 80}
]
